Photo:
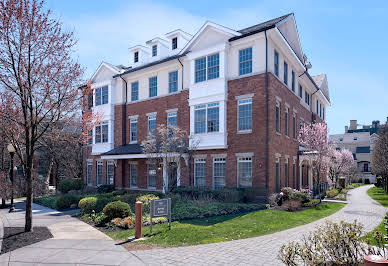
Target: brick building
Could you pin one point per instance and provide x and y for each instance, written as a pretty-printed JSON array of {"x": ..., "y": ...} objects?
[{"x": 242, "y": 95}]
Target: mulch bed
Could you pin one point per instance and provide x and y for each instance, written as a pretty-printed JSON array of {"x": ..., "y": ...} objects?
[{"x": 15, "y": 237}]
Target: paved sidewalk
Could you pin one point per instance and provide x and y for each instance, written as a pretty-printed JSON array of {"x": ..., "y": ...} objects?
[{"x": 76, "y": 243}]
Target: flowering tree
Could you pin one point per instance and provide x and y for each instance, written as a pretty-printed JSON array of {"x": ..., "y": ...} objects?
[
  {"x": 39, "y": 82},
  {"x": 314, "y": 139},
  {"x": 341, "y": 163},
  {"x": 380, "y": 157}
]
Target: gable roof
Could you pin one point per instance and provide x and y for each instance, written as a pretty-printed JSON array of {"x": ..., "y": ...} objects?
[
  {"x": 260, "y": 27},
  {"x": 114, "y": 69},
  {"x": 319, "y": 81}
]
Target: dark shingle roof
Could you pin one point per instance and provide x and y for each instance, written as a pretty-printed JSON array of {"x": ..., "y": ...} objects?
[
  {"x": 363, "y": 149},
  {"x": 259, "y": 27},
  {"x": 125, "y": 149}
]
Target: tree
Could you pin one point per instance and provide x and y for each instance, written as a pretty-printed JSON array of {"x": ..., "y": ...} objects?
[
  {"x": 340, "y": 163},
  {"x": 168, "y": 145},
  {"x": 314, "y": 139},
  {"x": 39, "y": 81},
  {"x": 380, "y": 157}
]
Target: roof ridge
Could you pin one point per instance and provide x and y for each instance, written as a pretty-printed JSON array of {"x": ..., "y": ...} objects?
[{"x": 266, "y": 22}]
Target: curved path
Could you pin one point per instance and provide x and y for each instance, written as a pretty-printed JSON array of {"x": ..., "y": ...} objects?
[{"x": 77, "y": 244}]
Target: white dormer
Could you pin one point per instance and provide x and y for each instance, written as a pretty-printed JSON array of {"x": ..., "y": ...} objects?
[
  {"x": 158, "y": 47},
  {"x": 177, "y": 40},
  {"x": 139, "y": 55}
]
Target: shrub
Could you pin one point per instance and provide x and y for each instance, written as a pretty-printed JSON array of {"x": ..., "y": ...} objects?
[
  {"x": 303, "y": 197},
  {"x": 311, "y": 203},
  {"x": 366, "y": 181},
  {"x": 65, "y": 201},
  {"x": 257, "y": 195},
  {"x": 117, "y": 209},
  {"x": 99, "y": 219},
  {"x": 128, "y": 198},
  {"x": 291, "y": 205},
  {"x": 331, "y": 193},
  {"x": 379, "y": 181},
  {"x": 126, "y": 223},
  {"x": 105, "y": 188},
  {"x": 76, "y": 184},
  {"x": 119, "y": 192},
  {"x": 65, "y": 185},
  {"x": 146, "y": 199},
  {"x": 88, "y": 204},
  {"x": 102, "y": 202},
  {"x": 47, "y": 201}
]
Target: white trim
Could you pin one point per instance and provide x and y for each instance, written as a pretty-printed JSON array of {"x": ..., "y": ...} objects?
[
  {"x": 245, "y": 96},
  {"x": 200, "y": 156},
  {"x": 105, "y": 65},
  {"x": 289, "y": 47},
  {"x": 278, "y": 155},
  {"x": 218, "y": 155},
  {"x": 151, "y": 114},
  {"x": 132, "y": 117},
  {"x": 172, "y": 110},
  {"x": 294, "y": 110},
  {"x": 287, "y": 105},
  {"x": 278, "y": 99},
  {"x": 244, "y": 154}
]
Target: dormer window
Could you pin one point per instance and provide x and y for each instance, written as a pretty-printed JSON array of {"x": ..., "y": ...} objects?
[
  {"x": 174, "y": 43},
  {"x": 136, "y": 57},
  {"x": 154, "y": 50}
]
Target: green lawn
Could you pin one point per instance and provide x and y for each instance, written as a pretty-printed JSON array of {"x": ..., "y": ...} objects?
[
  {"x": 229, "y": 227},
  {"x": 378, "y": 194}
]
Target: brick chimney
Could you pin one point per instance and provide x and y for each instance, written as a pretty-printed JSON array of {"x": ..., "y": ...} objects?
[{"x": 353, "y": 124}]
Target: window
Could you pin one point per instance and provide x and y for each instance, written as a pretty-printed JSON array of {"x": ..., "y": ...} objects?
[
  {"x": 89, "y": 169},
  {"x": 200, "y": 172},
  {"x": 293, "y": 81},
  {"x": 151, "y": 176},
  {"x": 286, "y": 123},
  {"x": 317, "y": 106},
  {"x": 245, "y": 114},
  {"x": 245, "y": 60},
  {"x": 90, "y": 137},
  {"x": 307, "y": 98},
  {"x": 90, "y": 100},
  {"x": 173, "y": 81},
  {"x": 99, "y": 173},
  {"x": 294, "y": 175},
  {"x": 219, "y": 170},
  {"x": 200, "y": 69},
  {"x": 276, "y": 63},
  {"x": 110, "y": 172},
  {"x": 151, "y": 123},
  {"x": 323, "y": 113},
  {"x": 134, "y": 91},
  {"x": 133, "y": 175},
  {"x": 320, "y": 110},
  {"x": 285, "y": 73},
  {"x": 213, "y": 66},
  {"x": 102, "y": 95},
  {"x": 277, "y": 170},
  {"x": 154, "y": 50},
  {"x": 206, "y": 118},
  {"x": 174, "y": 43},
  {"x": 286, "y": 173},
  {"x": 136, "y": 57},
  {"x": 172, "y": 119},
  {"x": 133, "y": 130},
  {"x": 300, "y": 91},
  {"x": 153, "y": 86},
  {"x": 101, "y": 133},
  {"x": 355, "y": 138},
  {"x": 244, "y": 171},
  {"x": 294, "y": 126},
  {"x": 278, "y": 117}
]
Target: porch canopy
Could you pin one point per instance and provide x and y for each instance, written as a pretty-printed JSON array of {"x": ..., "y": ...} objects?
[{"x": 127, "y": 151}]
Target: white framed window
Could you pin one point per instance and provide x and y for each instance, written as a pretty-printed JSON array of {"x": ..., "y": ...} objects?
[
  {"x": 286, "y": 173},
  {"x": 135, "y": 91},
  {"x": 151, "y": 123},
  {"x": 277, "y": 116},
  {"x": 89, "y": 171},
  {"x": 219, "y": 173},
  {"x": 286, "y": 123},
  {"x": 133, "y": 130},
  {"x": 151, "y": 176},
  {"x": 110, "y": 172},
  {"x": 133, "y": 175},
  {"x": 101, "y": 95},
  {"x": 277, "y": 173},
  {"x": 294, "y": 174},
  {"x": 245, "y": 114},
  {"x": 174, "y": 43},
  {"x": 90, "y": 137},
  {"x": 285, "y": 72},
  {"x": 172, "y": 119},
  {"x": 200, "y": 172},
  {"x": 206, "y": 118},
  {"x": 293, "y": 80},
  {"x": 136, "y": 57},
  {"x": 154, "y": 50},
  {"x": 244, "y": 171},
  {"x": 294, "y": 126},
  {"x": 276, "y": 63},
  {"x": 99, "y": 168},
  {"x": 207, "y": 68},
  {"x": 153, "y": 86},
  {"x": 101, "y": 133},
  {"x": 317, "y": 106},
  {"x": 173, "y": 81},
  {"x": 245, "y": 61}
]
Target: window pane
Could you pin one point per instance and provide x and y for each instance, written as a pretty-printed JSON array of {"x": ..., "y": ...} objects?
[
  {"x": 135, "y": 91},
  {"x": 213, "y": 69},
  {"x": 104, "y": 95},
  {"x": 245, "y": 173},
  {"x": 98, "y": 134},
  {"x": 133, "y": 130},
  {"x": 151, "y": 175},
  {"x": 200, "y": 172},
  {"x": 133, "y": 174},
  {"x": 154, "y": 50},
  {"x": 245, "y": 59},
  {"x": 200, "y": 121},
  {"x": 245, "y": 114},
  {"x": 110, "y": 173},
  {"x": 300, "y": 91},
  {"x": 173, "y": 81},
  {"x": 277, "y": 119},
  {"x": 277, "y": 166},
  {"x": 136, "y": 57},
  {"x": 89, "y": 170},
  {"x": 213, "y": 119},
  {"x": 219, "y": 173},
  {"x": 285, "y": 73},
  {"x": 293, "y": 81},
  {"x": 151, "y": 123},
  {"x": 104, "y": 133},
  {"x": 153, "y": 89},
  {"x": 276, "y": 63},
  {"x": 286, "y": 174},
  {"x": 99, "y": 173},
  {"x": 98, "y": 96},
  {"x": 200, "y": 69},
  {"x": 174, "y": 43},
  {"x": 286, "y": 123},
  {"x": 172, "y": 119}
]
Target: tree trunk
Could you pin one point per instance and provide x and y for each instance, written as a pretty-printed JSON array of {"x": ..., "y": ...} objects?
[
  {"x": 3, "y": 202},
  {"x": 28, "y": 218}
]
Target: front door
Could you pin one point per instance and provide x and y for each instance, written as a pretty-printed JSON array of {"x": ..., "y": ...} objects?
[{"x": 172, "y": 175}]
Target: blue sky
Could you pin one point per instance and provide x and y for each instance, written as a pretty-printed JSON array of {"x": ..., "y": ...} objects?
[{"x": 347, "y": 40}]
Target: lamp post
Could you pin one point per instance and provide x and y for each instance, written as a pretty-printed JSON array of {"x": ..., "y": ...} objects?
[{"x": 11, "y": 150}]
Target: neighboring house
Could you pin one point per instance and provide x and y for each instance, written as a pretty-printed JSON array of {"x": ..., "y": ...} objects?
[
  {"x": 242, "y": 95},
  {"x": 360, "y": 141}
]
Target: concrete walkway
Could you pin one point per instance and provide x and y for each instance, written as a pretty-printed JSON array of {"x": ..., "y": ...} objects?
[{"x": 76, "y": 243}]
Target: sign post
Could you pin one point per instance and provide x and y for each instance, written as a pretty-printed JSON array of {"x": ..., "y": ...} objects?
[{"x": 160, "y": 208}]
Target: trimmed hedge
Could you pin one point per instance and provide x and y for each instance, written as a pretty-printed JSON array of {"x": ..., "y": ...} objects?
[
  {"x": 66, "y": 185},
  {"x": 146, "y": 199},
  {"x": 65, "y": 201},
  {"x": 117, "y": 209},
  {"x": 88, "y": 204},
  {"x": 331, "y": 193}
]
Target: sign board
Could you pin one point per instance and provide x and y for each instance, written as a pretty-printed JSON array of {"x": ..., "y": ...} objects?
[{"x": 160, "y": 208}]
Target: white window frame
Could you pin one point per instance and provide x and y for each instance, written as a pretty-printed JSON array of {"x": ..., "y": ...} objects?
[
  {"x": 149, "y": 118},
  {"x": 148, "y": 175},
  {"x": 207, "y": 107},
  {"x": 217, "y": 160},
  {"x": 89, "y": 173},
  {"x": 101, "y": 164},
  {"x": 202, "y": 161},
  {"x": 243, "y": 159},
  {"x": 244, "y": 101},
  {"x": 278, "y": 123},
  {"x": 133, "y": 120},
  {"x": 132, "y": 164},
  {"x": 277, "y": 161},
  {"x": 287, "y": 122},
  {"x": 172, "y": 114},
  {"x": 108, "y": 181},
  {"x": 103, "y": 123}
]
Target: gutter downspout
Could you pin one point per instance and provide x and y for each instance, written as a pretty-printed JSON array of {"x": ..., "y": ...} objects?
[
  {"x": 182, "y": 70},
  {"x": 266, "y": 115},
  {"x": 124, "y": 131}
]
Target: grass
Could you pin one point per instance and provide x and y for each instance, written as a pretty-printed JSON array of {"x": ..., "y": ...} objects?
[
  {"x": 379, "y": 195},
  {"x": 228, "y": 227},
  {"x": 356, "y": 185}
]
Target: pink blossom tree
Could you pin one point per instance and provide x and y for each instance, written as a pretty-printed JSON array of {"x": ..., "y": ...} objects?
[
  {"x": 341, "y": 163},
  {"x": 314, "y": 139}
]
